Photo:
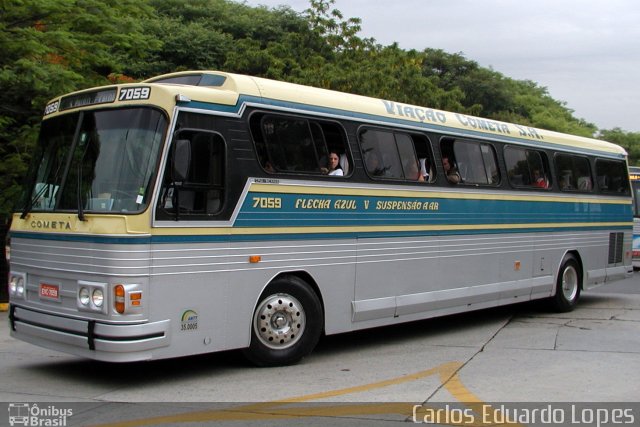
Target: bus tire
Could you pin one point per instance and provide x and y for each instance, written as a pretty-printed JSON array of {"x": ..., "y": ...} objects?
[
  {"x": 286, "y": 324},
  {"x": 568, "y": 285}
]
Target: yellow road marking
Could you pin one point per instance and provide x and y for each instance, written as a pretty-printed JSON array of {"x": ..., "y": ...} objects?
[{"x": 281, "y": 409}]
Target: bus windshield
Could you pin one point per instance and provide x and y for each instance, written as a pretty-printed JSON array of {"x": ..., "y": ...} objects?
[{"x": 96, "y": 161}]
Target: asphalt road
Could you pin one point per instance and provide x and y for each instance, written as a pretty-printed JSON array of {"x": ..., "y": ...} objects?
[{"x": 521, "y": 353}]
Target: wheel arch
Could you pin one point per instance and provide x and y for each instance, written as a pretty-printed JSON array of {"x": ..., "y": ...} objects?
[{"x": 576, "y": 255}]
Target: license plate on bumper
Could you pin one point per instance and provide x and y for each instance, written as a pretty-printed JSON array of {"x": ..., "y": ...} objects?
[{"x": 49, "y": 292}]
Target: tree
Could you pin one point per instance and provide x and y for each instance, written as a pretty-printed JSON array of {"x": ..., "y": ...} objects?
[
  {"x": 630, "y": 141},
  {"x": 339, "y": 34},
  {"x": 50, "y": 47}
]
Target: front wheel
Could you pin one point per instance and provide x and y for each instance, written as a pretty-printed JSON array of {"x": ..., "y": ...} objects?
[
  {"x": 286, "y": 324},
  {"x": 567, "y": 285}
]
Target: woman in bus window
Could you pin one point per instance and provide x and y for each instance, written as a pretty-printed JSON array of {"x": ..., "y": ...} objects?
[
  {"x": 333, "y": 165},
  {"x": 451, "y": 171}
]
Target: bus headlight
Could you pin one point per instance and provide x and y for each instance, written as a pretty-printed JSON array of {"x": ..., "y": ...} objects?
[
  {"x": 83, "y": 296},
  {"x": 97, "y": 297},
  {"x": 17, "y": 285},
  {"x": 91, "y": 296}
]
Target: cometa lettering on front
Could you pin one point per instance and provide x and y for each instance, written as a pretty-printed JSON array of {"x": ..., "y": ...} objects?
[{"x": 51, "y": 225}]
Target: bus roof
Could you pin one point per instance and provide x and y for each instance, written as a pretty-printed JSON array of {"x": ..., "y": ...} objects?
[
  {"x": 206, "y": 89},
  {"x": 343, "y": 104}
]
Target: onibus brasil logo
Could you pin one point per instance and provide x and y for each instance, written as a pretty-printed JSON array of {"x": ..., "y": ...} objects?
[{"x": 27, "y": 414}]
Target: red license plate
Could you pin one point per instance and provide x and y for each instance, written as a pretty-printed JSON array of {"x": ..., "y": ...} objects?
[{"x": 49, "y": 291}]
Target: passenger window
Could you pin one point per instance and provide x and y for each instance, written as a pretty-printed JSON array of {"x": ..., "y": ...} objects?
[
  {"x": 612, "y": 176},
  {"x": 299, "y": 145},
  {"x": 473, "y": 162},
  {"x": 527, "y": 168},
  {"x": 200, "y": 192},
  {"x": 380, "y": 154},
  {"x": 574, "y": 173},
  {"x": 396, "y": 155}
]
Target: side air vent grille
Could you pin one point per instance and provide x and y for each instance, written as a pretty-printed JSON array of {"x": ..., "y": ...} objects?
[{"x": 616, "y": 241}]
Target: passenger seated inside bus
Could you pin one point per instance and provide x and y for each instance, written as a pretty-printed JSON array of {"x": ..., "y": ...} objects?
[
  {"x": 539, "y": 179},
  {"x": 603, "y": 182},
  {"x": 412, "y": 172},
  {"x": 344, "y": 164},
  {"x": 333, "y": 165},
  {"x": 565, "y": 181},
  {"x": 584, "y": 183},
  {"x": 426, "y": 170},
  {"x": 374, "y": 167},
  {"x": 268, "y": 166},
  {"x": 453, "y": 176}
]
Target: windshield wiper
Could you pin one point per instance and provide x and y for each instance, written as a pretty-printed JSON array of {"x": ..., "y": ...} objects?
[
  {"x": 46, "y": 188},
  {"x": 32, "y": 200}
]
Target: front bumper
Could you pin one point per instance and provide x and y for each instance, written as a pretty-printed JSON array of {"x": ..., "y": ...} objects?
[{"x": 89, "y": 338}]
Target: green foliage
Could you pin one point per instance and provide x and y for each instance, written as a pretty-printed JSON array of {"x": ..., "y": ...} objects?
[
  {"x": 51, "y": 47},
  {"x": 338, "y": 34},
  {"x": 630, "y": 141},
  {"x": 218, "y": 34}
]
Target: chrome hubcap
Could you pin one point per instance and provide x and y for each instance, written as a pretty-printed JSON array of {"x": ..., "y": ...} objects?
[
  {"x": 279, "y": 321},
  {"x": 570, "y": 283}
]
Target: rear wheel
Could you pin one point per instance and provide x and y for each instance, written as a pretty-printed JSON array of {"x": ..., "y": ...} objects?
[
  {"x": 286, "y": 324},
  {"x": 567, "y": 285}
]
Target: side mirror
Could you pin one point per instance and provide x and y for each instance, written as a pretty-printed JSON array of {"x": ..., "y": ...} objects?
[{"x": 181, "y": 160}]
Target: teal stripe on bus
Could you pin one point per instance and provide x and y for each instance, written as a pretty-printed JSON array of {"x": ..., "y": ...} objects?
[{"x": 301, "y": 210}]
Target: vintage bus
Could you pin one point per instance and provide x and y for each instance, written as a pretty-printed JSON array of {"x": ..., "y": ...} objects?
[
  {"x": 204, "y": 211},
  {"x": 634, "y": 176}
]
